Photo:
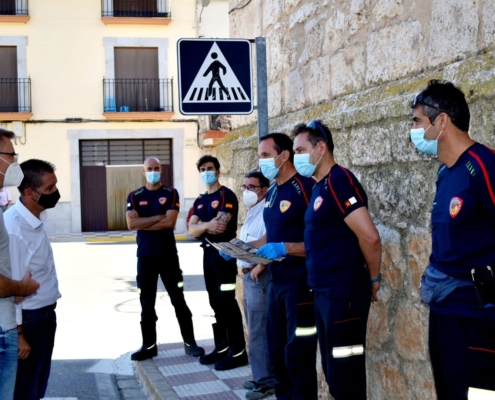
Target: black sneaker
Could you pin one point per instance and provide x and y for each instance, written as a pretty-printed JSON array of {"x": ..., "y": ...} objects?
[
  {"x": 259, "y": 392},
  {"x": 232, "y": 361},
  {"x": 193, "y": 350},
  {"x": 144, "y": 353},
  {"x": 214, "y": 356},
  {"x": 249, "y": 385}
]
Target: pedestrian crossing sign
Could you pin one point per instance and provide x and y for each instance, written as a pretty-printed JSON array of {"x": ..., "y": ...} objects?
[{"x": 215, "y": 76}]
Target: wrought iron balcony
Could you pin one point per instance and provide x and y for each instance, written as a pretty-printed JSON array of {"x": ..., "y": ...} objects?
[
  {"x": 14, "y": 7},
  {"x": 138, "y": 95},
  {"x": 135, "y": 8},
  {"x": 15, "y": 95}
]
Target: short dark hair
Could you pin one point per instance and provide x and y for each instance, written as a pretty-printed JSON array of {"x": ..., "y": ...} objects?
[
  {"x": 282, "y": 142},
  {"x": 261, "y": 178},
  {"x": 6, "y": 133},
  {"x": 208, "y": 158},
  {"x": 33, "y": 171},
  {"x": 317, "y": 132},
  {"x": 443, "y": 96}
]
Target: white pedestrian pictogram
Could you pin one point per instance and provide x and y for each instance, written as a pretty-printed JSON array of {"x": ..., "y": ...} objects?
[{"x": 216, "y": 82}]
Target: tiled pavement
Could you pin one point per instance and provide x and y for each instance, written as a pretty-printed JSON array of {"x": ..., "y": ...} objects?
[
  {"x": 192, "y": 381},
  {"x": 107, "y": 236}
]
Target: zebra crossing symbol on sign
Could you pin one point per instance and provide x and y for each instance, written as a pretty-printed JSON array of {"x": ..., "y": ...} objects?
[{"x": 221, "y": 83}]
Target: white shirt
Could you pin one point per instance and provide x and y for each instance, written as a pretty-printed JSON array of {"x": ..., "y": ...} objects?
[
  {"x": 253, "y": 228},
  {"x": 5, "y": 197},
  {"x": 30, "y": 250}
]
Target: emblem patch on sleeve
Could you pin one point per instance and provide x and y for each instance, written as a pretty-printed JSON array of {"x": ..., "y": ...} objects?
[
  {"x": 455, "y": 206},
  {"x": 214, "y": 204},
  {"x": 162, "y": 200},
  {"x": 284, "y": 205},
  {"x": 318, "y": 202}
]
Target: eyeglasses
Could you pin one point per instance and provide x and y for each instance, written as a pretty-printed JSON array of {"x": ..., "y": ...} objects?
[
  {"x": 419, "y": 99},
  {"x": 314, "y": 124},
  {"x": 15, "y": 155},
  {"x": 249, "y": 187}
]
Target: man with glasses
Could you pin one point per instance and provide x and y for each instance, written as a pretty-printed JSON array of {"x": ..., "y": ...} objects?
[
  {"x": 10, "y": 175},
  {"x": 256, "y": 280},
  {"x": 343, "y": 257},
  {"x": 215, "y": 219},
  {"x": 458, "y": 284},
  {"x": 291, "y": 330}
]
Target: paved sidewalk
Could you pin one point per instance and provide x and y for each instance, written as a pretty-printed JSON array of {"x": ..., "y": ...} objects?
[{"x": 108, "y": 236}]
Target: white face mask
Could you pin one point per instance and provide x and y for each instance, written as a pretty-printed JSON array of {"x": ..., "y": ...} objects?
[
  {"x": 250, "y": 198},
  {"x": 14, "y": 175}
]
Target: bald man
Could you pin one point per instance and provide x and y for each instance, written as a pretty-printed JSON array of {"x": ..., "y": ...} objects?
[{"x": 152, "y": 210}]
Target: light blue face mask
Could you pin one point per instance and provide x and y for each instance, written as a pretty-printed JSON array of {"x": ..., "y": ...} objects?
[
  {"x": 208, "y": 177},
  {"x": 153, "y": 177},
  {"x": 422, "y": 144},
  {"x": 303, "y": 165},
  {"x": 268, "y": 168}
]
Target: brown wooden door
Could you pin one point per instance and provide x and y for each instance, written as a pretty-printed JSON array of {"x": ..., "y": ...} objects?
[
  {"x": 134, "y": 8},
  {"x": 136, "y": 79},
  {"x": 9, "y": 94},
  {"x": 7, "y": 7}
]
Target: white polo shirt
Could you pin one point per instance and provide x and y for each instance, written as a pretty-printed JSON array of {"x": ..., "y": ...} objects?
[{"x": 30, "y": 250}]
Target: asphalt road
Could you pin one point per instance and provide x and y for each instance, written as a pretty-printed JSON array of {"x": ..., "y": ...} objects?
[{"x": 99, "y": 312}]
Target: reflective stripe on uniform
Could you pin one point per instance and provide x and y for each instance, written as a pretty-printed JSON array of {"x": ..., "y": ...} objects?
[
  {"x": 347, "y": 351},
  {"x": 480, "y": 394},
  {"x": 180, "y": 284},
  {"x": 306, "y": 331},
  {"x": 225, "y": 287}
]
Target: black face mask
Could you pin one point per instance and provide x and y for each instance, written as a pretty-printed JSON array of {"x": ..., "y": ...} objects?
[{"x": 48, "y": 200}]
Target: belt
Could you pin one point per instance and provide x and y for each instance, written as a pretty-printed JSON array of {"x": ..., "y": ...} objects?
[{"x": 247, "y": 270}]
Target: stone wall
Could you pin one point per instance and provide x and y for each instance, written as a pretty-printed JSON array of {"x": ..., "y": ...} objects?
[{"x": 357, "y": 65}]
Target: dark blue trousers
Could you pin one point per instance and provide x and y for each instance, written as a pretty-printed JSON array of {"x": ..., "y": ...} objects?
[
  {"x": 220, "y": 281},
  {"x": 39, "y": 328},
  {"x": 341, "y": 318},
  {"x": 167, "y": 267},
  {"x": 291, "y": 339},
  {"x": 462, "y": 352}
]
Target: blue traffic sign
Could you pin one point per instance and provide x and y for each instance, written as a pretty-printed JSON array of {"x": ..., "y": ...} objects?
[{"x": 215, "y": 76}]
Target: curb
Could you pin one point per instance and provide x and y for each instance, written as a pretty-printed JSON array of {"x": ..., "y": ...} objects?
[{"x": 154, "y": 384}]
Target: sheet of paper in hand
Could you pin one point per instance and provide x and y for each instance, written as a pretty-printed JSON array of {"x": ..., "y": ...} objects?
[{"x": 242, "y": 251}]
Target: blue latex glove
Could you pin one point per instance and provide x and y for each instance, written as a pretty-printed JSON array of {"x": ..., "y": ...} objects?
[
  {"x": 272, "y": 251},
  {"x": 225, "y": 256}
]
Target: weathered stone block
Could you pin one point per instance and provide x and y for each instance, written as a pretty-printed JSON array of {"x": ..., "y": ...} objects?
[
  {"x": 301, "y": 15},
  {"x": 318, "y": 78},
  {"x": 370, "y": 152},
  {"x": 418, "y": 252},
  {"x": 294, "y": 91},
  {"x": 453, "y": 30},
  {"x": 411, "y": 331},
  {"x": 335, "y": 31},
  {"x": 388, "y": 383},
  {"x": 393, "y": 264},
  {"x": 378, "y": 331},
  {"x": 387, "y": 9},
  {"x": 488, "y": 16},
  {"x": 271, "y": 12},
  {"x": 394, "y": 51},
  {"x": 347, "y": 69},
  {"x": 275, "y": 99}
]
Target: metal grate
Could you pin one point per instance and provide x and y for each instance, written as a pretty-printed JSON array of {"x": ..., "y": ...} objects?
[
  {"x": 15, "y": 95},
  {"x": 96, "y": 153},
  {"x": 14, "y": 7},
  {"x": 124, "y": 95},
  {"x": 135, "y": 8}
]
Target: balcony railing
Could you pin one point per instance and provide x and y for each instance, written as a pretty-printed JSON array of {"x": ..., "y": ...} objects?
[
  {"x": 14, "y": 7},
  {"x": 138, "y": 95},
  {"x": 135, "y": 8},
  {"x": 15, "y": 95}
]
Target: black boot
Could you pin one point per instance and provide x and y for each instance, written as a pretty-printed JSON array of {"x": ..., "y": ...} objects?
[
  {"x": 221, "y": 347},
  {"x": 149, "y": 348},
  {"x": 193, "y": 349},
  {"x": 234, "y": 359}
]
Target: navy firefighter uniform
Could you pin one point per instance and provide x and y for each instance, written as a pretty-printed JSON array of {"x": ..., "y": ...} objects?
[
  {"x": 157, "y": 256},
  {"x": 291, "y": 330},
  {"x": 462, "y": 330},
  {"x": 340, "y": 281},
  {"x": 220, "y": 274}
]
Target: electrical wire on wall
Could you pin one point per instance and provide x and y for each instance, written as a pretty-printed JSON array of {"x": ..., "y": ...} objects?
[{"x": 240, "y": 7}]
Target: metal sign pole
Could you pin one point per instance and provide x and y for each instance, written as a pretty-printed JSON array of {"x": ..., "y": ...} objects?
[{"x": 261, "y": 86}]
